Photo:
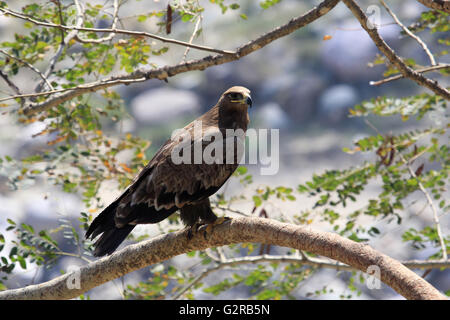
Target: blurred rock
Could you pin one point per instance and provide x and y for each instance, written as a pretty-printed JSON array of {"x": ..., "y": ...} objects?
[
  {"x": 350, "y": 49},
  {"x": 300, "y": 102},
  {"x": 164, "y": 104},
  {"x": 335, "y": 101},
  {"x": 188, "y": 80},
  {"x": 271, "y": 115}
]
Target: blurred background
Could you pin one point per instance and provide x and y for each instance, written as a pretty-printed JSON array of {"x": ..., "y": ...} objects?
[{"x": 301, "y": 84}]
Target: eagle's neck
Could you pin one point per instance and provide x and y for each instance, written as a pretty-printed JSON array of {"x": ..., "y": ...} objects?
[{"x": 231, "y": 117}]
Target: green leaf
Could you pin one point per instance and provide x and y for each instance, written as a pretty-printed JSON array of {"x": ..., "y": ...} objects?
[
  {"x": 257, "y": 200},
  {"x": 186, "y": 17}
]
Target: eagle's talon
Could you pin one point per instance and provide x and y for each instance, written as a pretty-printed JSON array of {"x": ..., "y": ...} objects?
[{"x": 193, "y": 230}]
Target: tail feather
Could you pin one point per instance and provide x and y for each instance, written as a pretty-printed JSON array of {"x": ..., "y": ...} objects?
[
  {"x": 111, "y": 239},
  {"x": 111, "y": 236}
]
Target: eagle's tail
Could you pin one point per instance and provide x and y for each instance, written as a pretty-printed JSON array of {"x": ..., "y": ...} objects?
[{"x": 111, "y": 236}]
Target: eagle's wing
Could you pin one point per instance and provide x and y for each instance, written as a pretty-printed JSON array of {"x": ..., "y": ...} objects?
[
  {"x": 164, "y": 186},
  {"x": 159, "y": 190}
]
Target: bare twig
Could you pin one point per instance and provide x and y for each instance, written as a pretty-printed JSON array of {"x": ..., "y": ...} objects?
[
  {"x": 10, "y": 84},
  {"x": 231, "y": 210},
  {"x": 392, "y": 57},
  {"x": 432, "y": 206},
  {"x": 113, "y": 25},
  {"x": 196, "y": 280},
  {"x": 83, "y": 88},
  {"x": 221, "y": 254},
  {"x": 29, "y": 65},
  {"x": 400, "y": 76},
  {"x": 408, "y": 32},
  {"x": 114, "y": 31},
  {"x": 64, "y": 42},
  {"x": 196, "y": 28},
  {"x": 303, "y": 261}
]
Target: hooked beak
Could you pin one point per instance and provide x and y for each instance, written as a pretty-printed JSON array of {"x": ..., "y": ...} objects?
[{"x": 247, "y": 99}]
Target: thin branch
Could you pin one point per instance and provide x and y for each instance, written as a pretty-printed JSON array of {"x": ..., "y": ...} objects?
[
  {"x": 115, "y": 31},
  {"x": 83, "y": 88},
  {"x": 400, "y": 76},
  {"x": 304, "y": 261},
  {"x": 61, "y": 20},
  {"x": 29, "y": 65},
  {"x": 231, "y": 210},
  {"x": 196, "y": 28},
  {"x": 113, "y": 25},
  {"x": 64, "y": 42},
  {"x": 200, "y": 64},
  {"x": 237, "y": 230},
  {"x": 196, "y": 280},
  {"x": 221, "y": 254},
  {"x": 432, "y": 206},
  {"x": 408, "y": 32},
  {"x": 10, "y": 84},
  {"x": 443, "y": 5},
  {"x": 390, "y": 54}
]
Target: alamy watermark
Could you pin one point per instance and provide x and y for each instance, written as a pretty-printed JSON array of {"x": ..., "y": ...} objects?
[
  {"x": 214, "y": 146},
  {"x": 373, "y": 277},
  {"x": 74, "y": 279},
  {"x": 373, "y": 13}
]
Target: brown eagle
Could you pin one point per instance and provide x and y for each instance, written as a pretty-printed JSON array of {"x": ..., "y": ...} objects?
[{"x": 167, "y": 184}]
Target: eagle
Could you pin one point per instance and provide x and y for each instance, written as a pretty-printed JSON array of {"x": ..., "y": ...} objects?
[{"x": 167, "y": 184}]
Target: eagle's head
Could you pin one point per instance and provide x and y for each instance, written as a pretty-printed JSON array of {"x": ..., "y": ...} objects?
[{"x": 237, "y": 97}]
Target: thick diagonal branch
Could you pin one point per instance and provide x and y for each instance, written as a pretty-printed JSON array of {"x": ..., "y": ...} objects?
[
  {"x": 237, "y": 230},
  {"x": 443, "y": 5},
  {"x": 392, "y": 57}
]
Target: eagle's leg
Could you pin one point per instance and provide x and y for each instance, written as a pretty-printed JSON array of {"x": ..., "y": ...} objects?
[{"x": 198, "y": 214}]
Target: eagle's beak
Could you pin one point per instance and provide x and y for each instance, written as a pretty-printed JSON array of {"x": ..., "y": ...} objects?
[{"x": 249, "y": 101}]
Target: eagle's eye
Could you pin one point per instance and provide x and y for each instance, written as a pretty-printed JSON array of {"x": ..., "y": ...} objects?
[{"x": 236, "y": 96}]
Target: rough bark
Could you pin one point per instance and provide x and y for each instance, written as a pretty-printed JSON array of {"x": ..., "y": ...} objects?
[
  {"x": 443, "y": 5},
  {"x": 238, "y": 230}
]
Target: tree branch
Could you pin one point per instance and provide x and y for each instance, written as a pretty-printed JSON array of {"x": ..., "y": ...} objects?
[
  {"x": 430, "y": 202},
  {"x": 170, "y": 71},
  {"x": 64, "y": 42},
  {"x": 303, "y": 260},
  {"x": 400, "y": 76},
  {"x": 443, "y": 5},
  {"x": 29, "y": 65},
  {"x": 10, "y": 84},
  {"x": 112, "y": 30},
  {"x": 194, "y": 33},
  {"x": 237, "y": 230},
  {"x": 409, "y": 33},
  {"x": 392, "y": 57},
  {"x": 113, "y": 26}
]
